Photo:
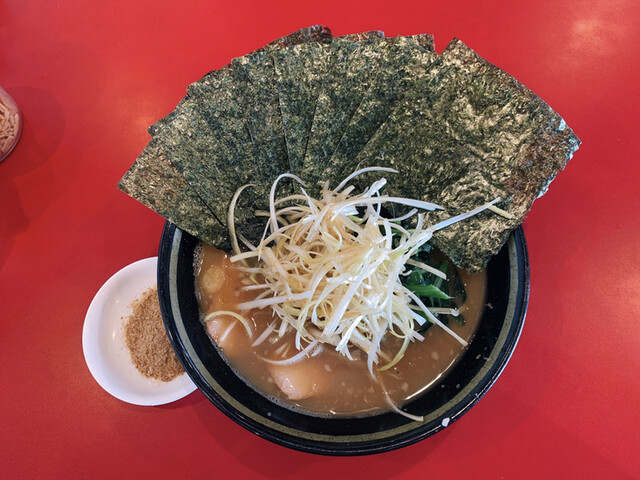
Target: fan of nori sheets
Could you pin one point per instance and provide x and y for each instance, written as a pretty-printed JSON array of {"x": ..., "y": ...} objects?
[{"x": 459, "y": 131}]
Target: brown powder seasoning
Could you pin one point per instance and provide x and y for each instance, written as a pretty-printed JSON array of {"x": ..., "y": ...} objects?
[{"x": 147, "y": 341}]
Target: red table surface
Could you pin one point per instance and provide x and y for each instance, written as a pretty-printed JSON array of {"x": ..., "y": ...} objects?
[{"x": 91, "y": 77}]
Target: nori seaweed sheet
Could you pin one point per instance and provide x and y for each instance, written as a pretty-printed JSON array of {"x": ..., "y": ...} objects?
[
  {"x": 352, "y": 67},
  {"x": 216, "y": 86},
  {"x": 153, "y": 182},
  {"x": 461, "y": 132},
  {"x": 214, "y": 98},
  {"x": 299, "y": 73},
  {"x": 257, "y": 95},
  {"x": 464, "y": 134},
  {"x": 226, "y": 122},
  {"x": 257, "y": 98},
  {"x": 424, "y": 40},
  {"x": 175, "y": 132},
  {"x": 196, "y": 145},
  {"x": 362, "y": 36},
  {"x": 210, "y": 158},
  {"x": 405, "y": 57},
  {"x": 313, "y": 33}
]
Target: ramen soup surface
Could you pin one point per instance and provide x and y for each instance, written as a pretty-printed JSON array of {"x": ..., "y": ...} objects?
[{"x": 328, "y": 383}]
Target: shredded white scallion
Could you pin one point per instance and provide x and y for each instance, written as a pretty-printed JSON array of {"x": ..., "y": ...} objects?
[
  {"x": 309, "y": 351},
  {"x": 265, "y": 334},
  {"x": 229, "y": 313},
  {"x": 331, "y": 269}
]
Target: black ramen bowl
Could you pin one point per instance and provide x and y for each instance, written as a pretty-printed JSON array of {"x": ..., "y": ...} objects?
[{"x": 446, "y": 402}]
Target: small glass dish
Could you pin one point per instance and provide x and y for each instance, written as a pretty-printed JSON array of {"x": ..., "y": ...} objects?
[{"x": 10, "y": 124}]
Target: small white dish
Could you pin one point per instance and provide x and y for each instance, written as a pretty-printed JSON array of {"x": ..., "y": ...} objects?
[{"x": 104, "y": 346}]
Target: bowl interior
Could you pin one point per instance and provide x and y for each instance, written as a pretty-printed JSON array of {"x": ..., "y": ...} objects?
[{"x": 465, "y": 384}]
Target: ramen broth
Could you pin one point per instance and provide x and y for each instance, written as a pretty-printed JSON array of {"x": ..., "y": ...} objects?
[{"x": 328, "y": 383}]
